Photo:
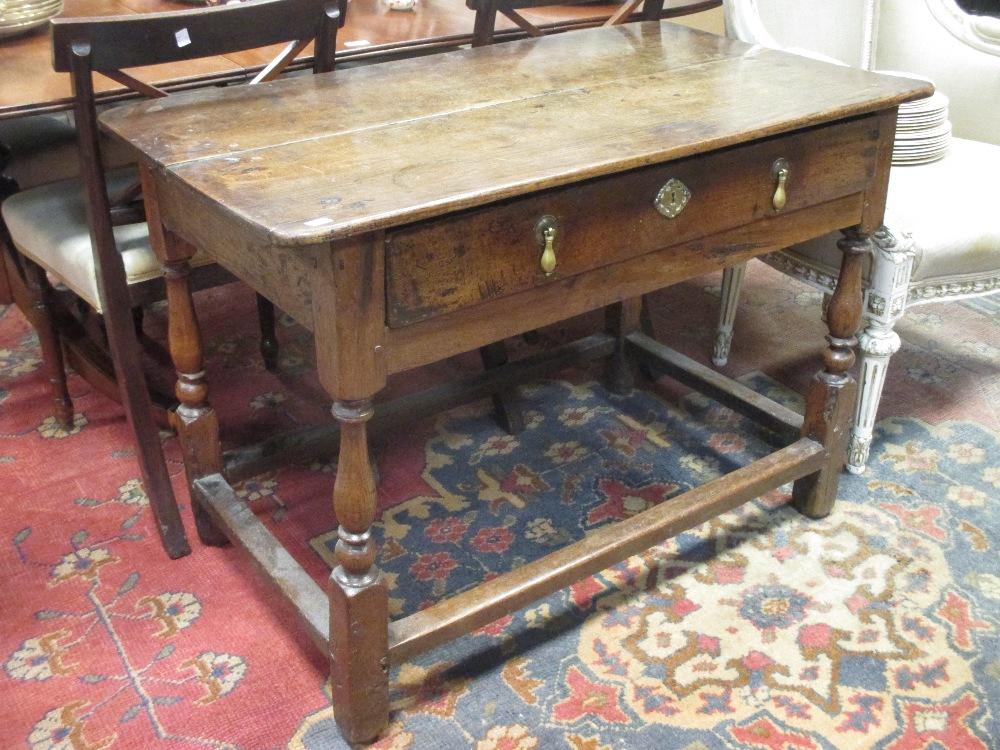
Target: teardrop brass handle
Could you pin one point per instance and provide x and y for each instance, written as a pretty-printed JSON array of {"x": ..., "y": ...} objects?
[
  {"x": 549, "y": 253},
  {"x": 780, "y": 172},
  {"x": 545, "y": 233}
]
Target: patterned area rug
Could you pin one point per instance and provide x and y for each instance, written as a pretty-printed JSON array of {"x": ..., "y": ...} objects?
[{"x": 877, "y": 627}]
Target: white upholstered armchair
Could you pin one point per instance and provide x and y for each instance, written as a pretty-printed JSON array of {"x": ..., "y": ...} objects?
[{"x": 942, "y": 227}]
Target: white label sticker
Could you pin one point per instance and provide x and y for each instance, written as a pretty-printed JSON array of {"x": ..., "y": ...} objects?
[{"x": 183, "y": 38}]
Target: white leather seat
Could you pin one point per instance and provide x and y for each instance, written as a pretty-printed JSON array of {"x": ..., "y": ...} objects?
[
  {"x": 49, "y": 225},
  {"x": 942, "y": 262}
]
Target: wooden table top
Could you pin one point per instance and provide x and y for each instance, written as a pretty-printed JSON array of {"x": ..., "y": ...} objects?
[
  {"x": 329, "y": 156},
  {"x": 30, "y": 86}
]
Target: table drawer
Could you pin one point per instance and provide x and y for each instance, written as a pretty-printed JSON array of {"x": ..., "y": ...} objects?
[{"x": 446, "y": 264}]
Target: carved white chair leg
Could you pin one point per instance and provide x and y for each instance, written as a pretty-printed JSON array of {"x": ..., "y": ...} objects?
[
  {"x": 877, "y": 344},
  {"x": 732, "y": 282},
  {"x": 884, "y": 304},
  {"x": 824, "y": 305}
]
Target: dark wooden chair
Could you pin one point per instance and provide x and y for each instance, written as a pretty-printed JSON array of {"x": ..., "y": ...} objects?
[
  {"x": 91, "y": 232},
  {"x": 595, "y": 12}
]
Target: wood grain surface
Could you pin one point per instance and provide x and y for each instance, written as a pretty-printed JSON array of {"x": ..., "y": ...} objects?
[{"x": 312, "y": 160}]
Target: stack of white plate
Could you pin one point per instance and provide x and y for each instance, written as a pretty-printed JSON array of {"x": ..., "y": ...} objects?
[
  {"x": 18, "y": 16},
  {"x": 923, "y": 132}
]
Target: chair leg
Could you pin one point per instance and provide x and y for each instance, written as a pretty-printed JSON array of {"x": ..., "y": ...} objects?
[
  {"x": 884, "y": 304},
  {"x": 123, "y": 342},
  {"x": 138, "y": 317},
  {"x": 268, "y": 333},
  {"x": 8, "y": 186},
  {"x": 482, "y": 27},
  {"x": 876, "y": 345},
  {"x": 39, "y": 292},
  {"x": 620, "y": 319},
  {"x": 134, "y": 390},
  {"x": 6, "y": 285},
  {"x": 732, "y": 281},
  {"x": 646, "y": 325}
]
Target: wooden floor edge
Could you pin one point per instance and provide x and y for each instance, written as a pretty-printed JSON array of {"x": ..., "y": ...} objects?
[{"x": 608, "y": 545}]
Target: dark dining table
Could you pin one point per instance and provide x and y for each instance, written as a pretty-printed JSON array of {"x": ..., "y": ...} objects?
[{"x": 372, "y": 32}]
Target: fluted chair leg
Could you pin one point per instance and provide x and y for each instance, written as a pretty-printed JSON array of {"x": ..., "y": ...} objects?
[
  {"x": 732, "y": 282},
  {"x": 876, "y": 346},
  {"x": 884, "y": 304}
]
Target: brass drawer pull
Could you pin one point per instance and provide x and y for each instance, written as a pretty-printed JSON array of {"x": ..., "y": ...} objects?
[
  {"x": 780, "y": 173},
  {"x": 545, "y": 232}
]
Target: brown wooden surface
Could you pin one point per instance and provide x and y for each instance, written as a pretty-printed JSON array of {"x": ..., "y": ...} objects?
[
  {"x": 30, "y": 86},
  {"x": 303, "y": 209},
  {"x": 304, "y": 187}
]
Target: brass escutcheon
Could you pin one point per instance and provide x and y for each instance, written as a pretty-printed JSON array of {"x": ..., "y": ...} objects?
[{"x": 672, "y": 198}]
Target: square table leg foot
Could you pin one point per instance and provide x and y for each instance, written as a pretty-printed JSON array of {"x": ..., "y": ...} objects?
[
  {"x": 833, "y": 399},
  {"x": 359, "y": 656}
]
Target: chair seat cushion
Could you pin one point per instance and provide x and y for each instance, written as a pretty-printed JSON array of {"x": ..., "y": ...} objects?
[
  {"x": 949, "y": 207},
  {"x": 49, "y": 225}
]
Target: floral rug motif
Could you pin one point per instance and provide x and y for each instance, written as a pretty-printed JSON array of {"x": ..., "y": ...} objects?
[{"x": 874, "y": 627}]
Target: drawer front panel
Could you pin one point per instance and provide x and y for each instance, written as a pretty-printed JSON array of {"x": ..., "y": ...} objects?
[{"x": 446, "y": 264}]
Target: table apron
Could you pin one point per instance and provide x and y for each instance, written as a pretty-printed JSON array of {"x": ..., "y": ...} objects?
[
  {"x": 285, "y": 275},
  {"x": 444, "y": 264},
  {"x": 492, "y": 320}
]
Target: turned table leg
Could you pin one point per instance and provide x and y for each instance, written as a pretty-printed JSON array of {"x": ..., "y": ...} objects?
[
  {"x": 194, "y": 419},
  {"x": 830, "y": 400},
  {"x": 349, "y": 314},
  {"x": 359, "y": 615}
]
